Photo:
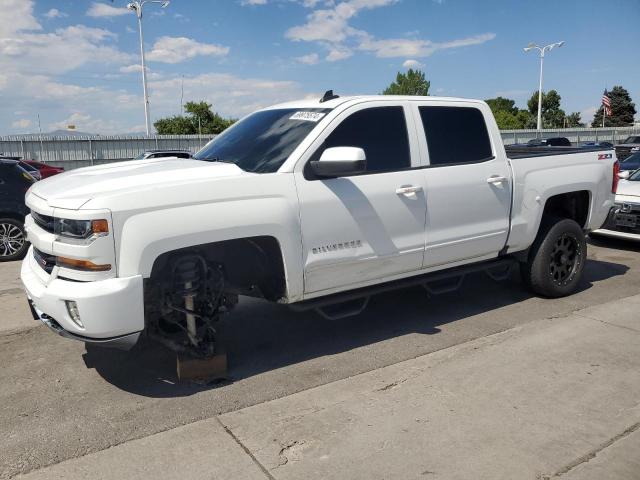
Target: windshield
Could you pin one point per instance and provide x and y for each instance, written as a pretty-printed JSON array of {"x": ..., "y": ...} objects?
[
  {"x": 635, "y": 176},
  {"x": 141, "y": 156},
  {"x": 632, "y": 140},
  {"x": 261, "y": 142}
]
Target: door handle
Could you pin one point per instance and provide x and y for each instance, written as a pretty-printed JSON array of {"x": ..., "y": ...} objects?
[
  {"x": 495, "y": 179},
  {"x": 409, "y": 190}
]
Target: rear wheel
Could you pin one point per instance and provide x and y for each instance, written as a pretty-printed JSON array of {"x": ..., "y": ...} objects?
[
  {"x": 556, "y": 260},
  {"x": 13, "y": 240}
]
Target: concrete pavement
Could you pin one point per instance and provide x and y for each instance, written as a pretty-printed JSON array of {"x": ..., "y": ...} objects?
[
  {"x": 555, "y": 398},
  {"x": 67, "y": 408}
]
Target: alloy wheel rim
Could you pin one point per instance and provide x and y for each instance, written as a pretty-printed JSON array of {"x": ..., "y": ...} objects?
[
  {"x": 565, "y": 259},
  {"x": 11, "y": 239}
]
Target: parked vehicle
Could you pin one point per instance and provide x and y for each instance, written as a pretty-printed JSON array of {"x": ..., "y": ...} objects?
[
  {"x": 629, "y": 146},
  {"x": 550, "y": 142},
  {"x": 164, "y": 153},
  {"x": 14, "y": 183},
  {"x": 597, "y": 144},
  {"x": 632, "y": 162},
  {"x": 33, "y": 171},
  {"x": 45, "y": 170},
  {"x": 317, "y": 204},
  {"x": 624, "y": 221}
]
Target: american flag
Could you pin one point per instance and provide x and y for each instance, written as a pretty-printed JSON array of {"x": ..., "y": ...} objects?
[{"x": 606, "y": 102}]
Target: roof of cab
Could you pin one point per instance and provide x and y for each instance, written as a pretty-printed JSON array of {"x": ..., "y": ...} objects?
[{"x": 316, "y": 103}]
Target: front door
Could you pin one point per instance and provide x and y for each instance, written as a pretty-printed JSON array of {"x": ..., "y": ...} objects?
[{"x": 359, "y": 229}]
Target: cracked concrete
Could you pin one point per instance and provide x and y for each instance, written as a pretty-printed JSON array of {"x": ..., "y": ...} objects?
[{"x": 538, "y": 401}]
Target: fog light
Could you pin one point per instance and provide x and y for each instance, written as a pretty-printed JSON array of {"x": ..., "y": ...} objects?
[{"x": 74, "y": 313}]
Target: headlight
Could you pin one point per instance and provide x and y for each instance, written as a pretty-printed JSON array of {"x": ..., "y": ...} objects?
[
  {"x": 635, "y": 149},
  {"x": 80, "y": 229}
]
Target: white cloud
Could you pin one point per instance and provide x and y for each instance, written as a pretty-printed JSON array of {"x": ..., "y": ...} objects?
[
  {"x": 180, "y": 49},
  {"x": 253, "y": 2},
  {"x": 310, "y": 59},
  {"x": 22, "y": 123},
  {"x": 330, "y": 28},
  {"x": 587, "y": 114},
  {"x": 135, "y": 68},
  {"x": 84, "y": 122},
  {"x": 55, "y": 13},
  {"x": 412, "y": 64},
  {"x": 230, "y": 95},
  {"x": 59, "y": 51},
  {"x": 404, "y": 47},
  {"x": 105, "y": 10},
  {"x": 17, "y": 15},
  {"x": 338, "y": 52}
]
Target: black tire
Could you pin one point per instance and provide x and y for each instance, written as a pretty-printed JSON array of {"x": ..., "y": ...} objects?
[
  {"x": 13, "y": 239},
  {"x": 556, "y": 259}
]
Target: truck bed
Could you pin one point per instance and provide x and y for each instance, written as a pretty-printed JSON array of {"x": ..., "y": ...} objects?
[{"x": 515, "y": 152}]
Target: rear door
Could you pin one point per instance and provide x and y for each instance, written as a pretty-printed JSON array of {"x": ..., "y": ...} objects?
[
  {"x": 468, "y": 183},
  {"x": 359, "y": 229}
]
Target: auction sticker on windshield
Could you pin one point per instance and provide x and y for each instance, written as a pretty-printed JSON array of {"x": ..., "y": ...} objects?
[{"x": 307, "y": 116}]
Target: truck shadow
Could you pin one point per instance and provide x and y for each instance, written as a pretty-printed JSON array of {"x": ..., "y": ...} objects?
[{"x": 261, "y": 337}]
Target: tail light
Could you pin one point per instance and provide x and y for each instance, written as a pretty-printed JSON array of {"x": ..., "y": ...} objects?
[{"x": 616, "y": 179}]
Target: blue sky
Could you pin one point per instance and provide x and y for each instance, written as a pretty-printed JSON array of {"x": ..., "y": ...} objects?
[{"x": 76, "y": 62}]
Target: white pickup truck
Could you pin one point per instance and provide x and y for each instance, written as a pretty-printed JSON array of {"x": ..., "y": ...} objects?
[{"x": 313, "y": 203}]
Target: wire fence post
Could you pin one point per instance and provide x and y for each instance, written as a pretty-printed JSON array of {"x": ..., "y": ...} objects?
[{"x": 90, "y": 152}]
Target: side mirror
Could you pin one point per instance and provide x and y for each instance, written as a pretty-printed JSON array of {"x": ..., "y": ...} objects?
[
  {"x": 340, "y": 162},
  {"x": 624, "y": 175}
]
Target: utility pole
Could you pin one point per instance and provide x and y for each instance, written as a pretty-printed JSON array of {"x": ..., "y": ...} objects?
[
  {"x": 542, "y": 50},
  {"x": 136, "y": 7}
]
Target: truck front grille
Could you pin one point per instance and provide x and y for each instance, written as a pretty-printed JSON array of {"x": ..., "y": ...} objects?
[
  {"x": 46, "y": 261},
  {"x": 43, "y": 221}
]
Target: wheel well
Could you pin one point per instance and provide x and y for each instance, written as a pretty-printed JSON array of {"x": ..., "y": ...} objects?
[
  {"x": 252, "y": 266},
  {"x": 573, "y": 205}
]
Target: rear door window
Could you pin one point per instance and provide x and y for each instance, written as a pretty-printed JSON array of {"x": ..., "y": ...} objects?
[
  {"x": 455, "y": 135},
  {"x": 381, "y": 132}
]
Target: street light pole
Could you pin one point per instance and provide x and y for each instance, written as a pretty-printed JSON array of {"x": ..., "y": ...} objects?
[
  {"x": 542, "y": 50},
  {"x": 136, "y": 7}
]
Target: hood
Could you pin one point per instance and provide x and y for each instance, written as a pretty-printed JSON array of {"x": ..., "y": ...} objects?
[
  {"x": 629, "y": 189},
  {"x": 74, "y": 188}
]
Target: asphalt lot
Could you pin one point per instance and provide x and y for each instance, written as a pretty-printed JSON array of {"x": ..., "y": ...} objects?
[{"x": 62, "y": 401}]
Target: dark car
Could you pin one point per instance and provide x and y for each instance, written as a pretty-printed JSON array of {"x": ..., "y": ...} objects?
[
  {"x": 164, "y": 153},
  {"x": 14, "y": 183},
  {"x": 45, "y": 170},
  {"x": 597, "y": 144},
  {"x": 549, "y": 142},
  {"x": 630, "y": 146},
  {"x": 631, "y": 163}
]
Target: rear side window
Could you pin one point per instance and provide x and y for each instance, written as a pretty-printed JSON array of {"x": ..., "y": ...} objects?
[
  {"x": 455, "y": 135},
  {"x": 381, "y": 132}
]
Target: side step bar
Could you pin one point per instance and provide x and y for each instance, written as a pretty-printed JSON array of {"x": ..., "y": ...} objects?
[{"x": 435, "y": 283}]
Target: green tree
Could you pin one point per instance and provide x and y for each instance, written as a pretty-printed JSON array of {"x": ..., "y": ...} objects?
[
  {"x": 411, "y": 83},
  {"x": 507, "y": 115},
  {"x": 199, "y": 118},
  {"x": 623, "y": 110},
  {"x": 573, "y": 120},
  {"x": 552, "y": 115},
  {"x": 499, "y": 104}
]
